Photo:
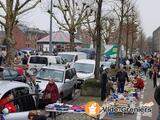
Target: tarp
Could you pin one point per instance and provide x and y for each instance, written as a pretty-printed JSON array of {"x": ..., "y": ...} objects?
[{"x": 111, "y": 50}]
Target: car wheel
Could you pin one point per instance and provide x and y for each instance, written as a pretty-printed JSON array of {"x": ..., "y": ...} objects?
[{"x": 71, "y": 96}]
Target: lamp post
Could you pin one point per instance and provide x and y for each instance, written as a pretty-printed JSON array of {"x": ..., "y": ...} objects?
[{"x": 50, "y": 40}]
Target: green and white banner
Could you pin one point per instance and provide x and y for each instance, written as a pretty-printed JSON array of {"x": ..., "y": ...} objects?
[{"x": 111, "y": 50}]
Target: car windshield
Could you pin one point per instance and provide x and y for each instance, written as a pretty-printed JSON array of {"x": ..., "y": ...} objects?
[
  {"x": 84, "y": 67},
  {"x": 47, "y": 74},
  {"x": 66, "y": 57}
]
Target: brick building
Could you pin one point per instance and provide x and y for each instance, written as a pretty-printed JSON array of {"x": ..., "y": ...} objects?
[{"x": 25, "y": 37}]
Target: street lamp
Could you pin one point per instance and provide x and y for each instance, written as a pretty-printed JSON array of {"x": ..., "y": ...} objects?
[{"x": 50, "y": 40}]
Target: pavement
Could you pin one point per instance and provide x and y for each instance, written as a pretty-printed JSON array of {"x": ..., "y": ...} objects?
[{"x": 146, "y": 96}]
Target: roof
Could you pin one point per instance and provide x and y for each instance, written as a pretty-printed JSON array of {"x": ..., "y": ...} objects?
[
  {"x": 48, "y": 56},
  {"x": 58, "y": 37},
  {"x": 26, "y": 29},
  {"x": 60, "y": 67},
  {"x": 87, "y": 61},
  {"x": 71, "y": 53},
  {"x": 6, "y": 85}
]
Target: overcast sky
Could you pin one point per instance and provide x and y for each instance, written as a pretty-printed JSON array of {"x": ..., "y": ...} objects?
[{"x": 149, "y": 14}]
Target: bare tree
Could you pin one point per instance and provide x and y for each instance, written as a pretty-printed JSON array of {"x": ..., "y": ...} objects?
[
  {"x": 108, "y": 26},
  {"x": 134, "y": 29},
  {"x": 121, "y": 8},
  {"x": 11, "y": 9},
  {"x": 98, "y": 37},
  {"x": 74, "y": 12}
]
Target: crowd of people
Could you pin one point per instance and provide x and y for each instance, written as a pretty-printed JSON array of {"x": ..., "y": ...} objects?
[{"x": 148, "y": 66}]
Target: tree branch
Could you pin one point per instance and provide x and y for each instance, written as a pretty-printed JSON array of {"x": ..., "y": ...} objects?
[
  {"x": 2, "y": 16},
  {"x": 2, "y": 23},
  {"x": 20, "y": 7},
  {"x": 61, "y": 24},
  {"x": 3, "y": 6},
  {"x": 29, "y": 8}
]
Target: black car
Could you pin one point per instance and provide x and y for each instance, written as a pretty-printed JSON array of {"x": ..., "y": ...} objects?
[{"x": 11, "y": 74}]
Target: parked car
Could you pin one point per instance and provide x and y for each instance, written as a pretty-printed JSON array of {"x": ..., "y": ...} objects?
[
  {"x": 65, "y": 79},
  {"x": 106, "y": 64},
  {"x": 23, "y": 100},
  {"x": 72, "y": 57},
  {"x": 85, "y": 69},
  {"x": 11, "y": 74},
  {"x": 36, "y": 62},
  {"x": 89, "y": 51}
]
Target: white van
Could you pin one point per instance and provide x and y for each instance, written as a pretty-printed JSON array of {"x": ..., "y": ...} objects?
[
  {"x": 36, "y": 62},
  {"x": 85, "y": 69},
  {"x": 72, "y": 57}
]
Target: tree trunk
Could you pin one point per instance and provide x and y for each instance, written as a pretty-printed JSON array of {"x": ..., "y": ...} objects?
[
  {"x": 119, "y": 44},
  {"x": 98, "y": 40},
  {"x": 120, "y": 35},
  {"x": 10, "y": 43},
  {"x": 9, "y": 40},
  {"x": 94, "y": 42},
  {"x": 127, "y": 37},
  {"x": 72, "y": 36},
  {"x": 132, "y": 44}
]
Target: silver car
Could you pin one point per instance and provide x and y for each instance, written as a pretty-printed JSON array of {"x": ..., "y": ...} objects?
[{"x": 65, "y": 79}]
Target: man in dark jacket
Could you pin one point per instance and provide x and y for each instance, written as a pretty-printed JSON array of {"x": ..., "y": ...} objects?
[
  {"x": 157, "y": 98},
  {"x": 104, "y": 85},
  {"x": 121, "y": 76}
]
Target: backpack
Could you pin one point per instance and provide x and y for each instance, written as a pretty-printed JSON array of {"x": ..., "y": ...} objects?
[{"x": 145, "y": 65}]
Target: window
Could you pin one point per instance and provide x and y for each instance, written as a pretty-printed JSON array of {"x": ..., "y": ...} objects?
[
  {"x": 13, "y": 73},
  {"x": 39, "y": 60},
  {"x": 45, "y": 74},
  {"x": 73, "y": 71},
  {"x": 67, "y": 57},
  {"x": 68, "y": 74},
  {"x": 76, "y": 58},
  {"x": 84, "y": 67},
  {"x": 6, "y": 74},
  {"x": 58, "y": 60}
]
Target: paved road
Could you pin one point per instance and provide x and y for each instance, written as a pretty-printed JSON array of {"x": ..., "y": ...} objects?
[{"x": 147, "y": 95}]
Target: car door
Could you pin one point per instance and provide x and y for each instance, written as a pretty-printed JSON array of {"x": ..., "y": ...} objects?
[
  {"x": 16, "y": 77},
  {"x": 68, "y": 83},
  {"x": 24, "y": 103},
  {"x": 74, "y": 78},
  {"x": 6, "y": 75}
]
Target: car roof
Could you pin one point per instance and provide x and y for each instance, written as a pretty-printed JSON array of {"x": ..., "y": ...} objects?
[
  {"x": 71, "y": 53},
  {"x": 60, "y": 67},
  {"x": 49, "y": 56},
  {"x": 88, "y": 61},
  {"x": 6, "y": 85}
]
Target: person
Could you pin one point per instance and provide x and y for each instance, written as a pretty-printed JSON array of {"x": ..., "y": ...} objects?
[
  {"x": 155, "y": 74},
  {"x": 145, "y": 67},
  {"x": 25, "y": 60},
  {"x": 33, "y": 115},
  {"x": 50, "y": 94},
  {"x": 157, "y": 99},
  {"x": 101, "y": 69},
  {"x": 150, "y": 73},
  {"x": 121, "y": 77},
  {"x": 9, "y": 107},
  {"x": 20, "y": 70},
  {"x": 138, "y": 83},
  {"x": 104, "y": 85}
]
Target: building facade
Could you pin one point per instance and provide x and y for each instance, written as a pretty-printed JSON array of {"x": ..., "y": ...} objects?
[
  {"x": 156, "y": 40},
  {"x": 24, "y": 36}
]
